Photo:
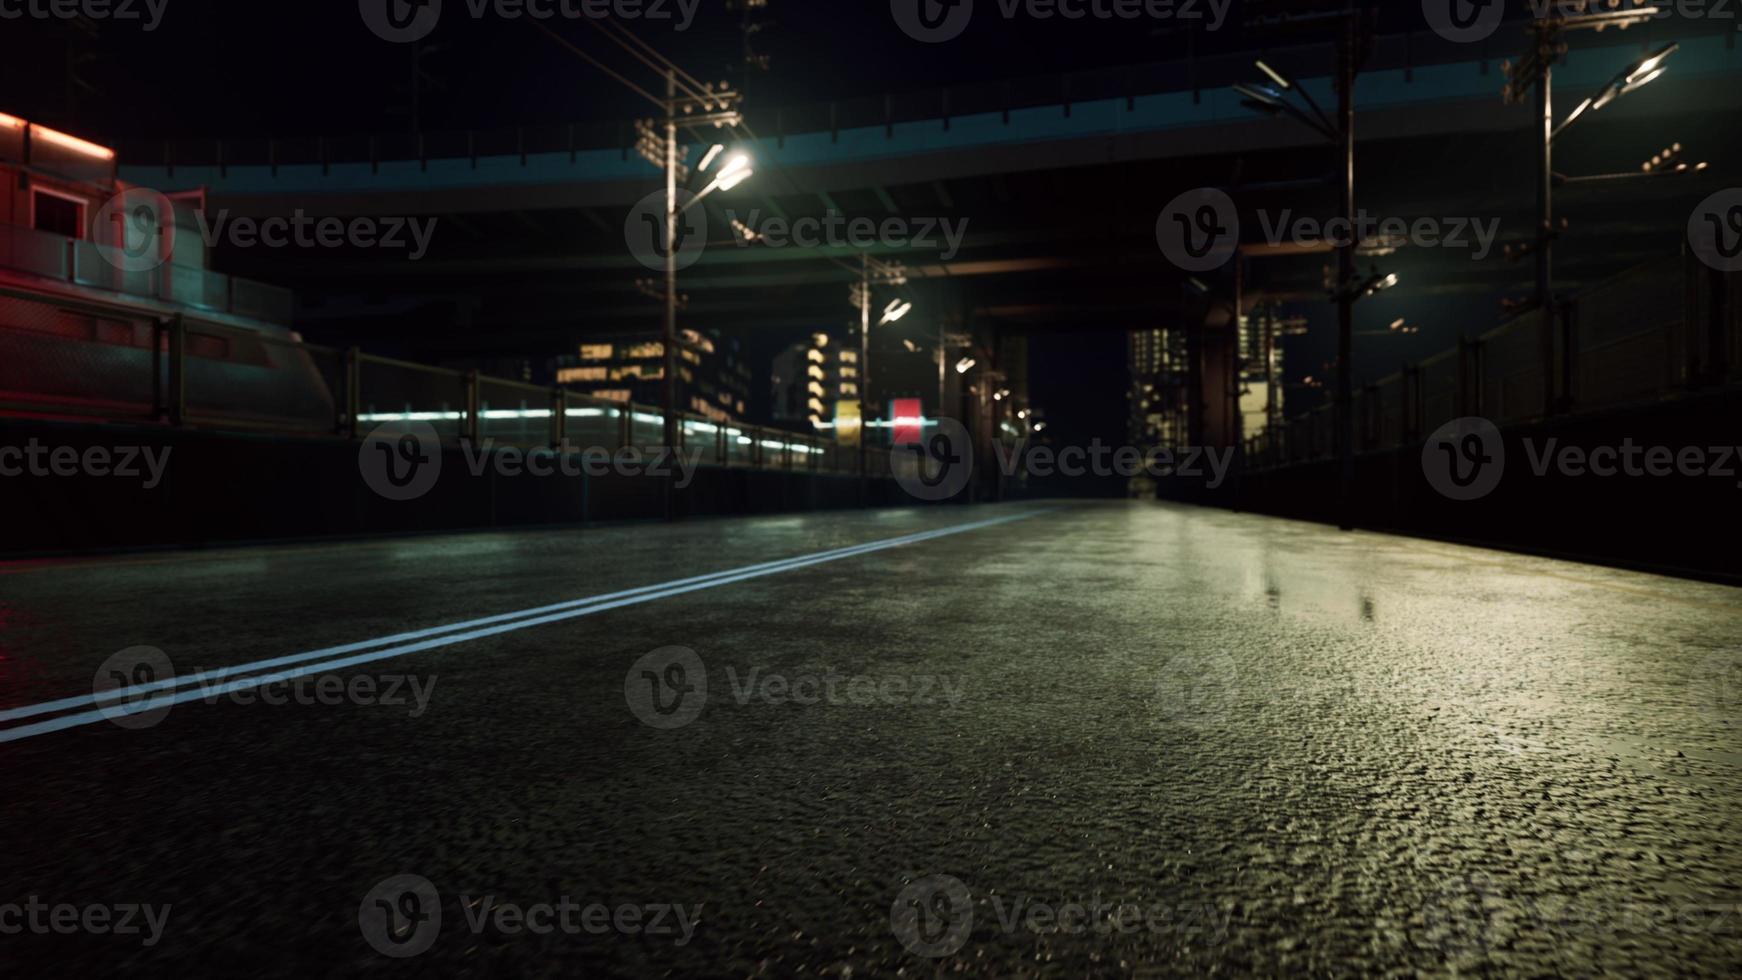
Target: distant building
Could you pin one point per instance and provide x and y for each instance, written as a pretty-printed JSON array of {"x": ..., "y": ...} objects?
[
  {"x": 715, "y": 378},
  {"x": 811, "y": 378},
  {"x": 1158, "y": 387}
]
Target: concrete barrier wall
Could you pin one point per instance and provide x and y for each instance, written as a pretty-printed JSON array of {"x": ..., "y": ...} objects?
[
  {"x": 1675, "y": 522},
  {"x": 225, "y": 487}
]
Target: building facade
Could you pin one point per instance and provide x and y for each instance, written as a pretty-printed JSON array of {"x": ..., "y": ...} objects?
[{"x": 715, "y": 379}]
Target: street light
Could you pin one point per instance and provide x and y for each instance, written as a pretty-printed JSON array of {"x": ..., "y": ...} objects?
[
  {"x": 895, "y": 311},
  {"x": 1634, "y": 77},
  {"x": 965, "y": 365},
  {"x": 1340, "y": 133},
  {"x": 1534, "y": 76}
]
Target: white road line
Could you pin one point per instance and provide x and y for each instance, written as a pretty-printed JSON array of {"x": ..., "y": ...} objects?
[
  {"x": 230, "y": 672},
  {"x": 557, "y": 613}
]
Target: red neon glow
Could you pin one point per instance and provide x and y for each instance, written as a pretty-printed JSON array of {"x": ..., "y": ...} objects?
[
  {"x": 908, "y": 415},
  {"x": 71, "y": 142}
]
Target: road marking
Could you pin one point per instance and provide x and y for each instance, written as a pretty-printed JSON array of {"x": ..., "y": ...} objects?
[{"x": 504, "y": 623}]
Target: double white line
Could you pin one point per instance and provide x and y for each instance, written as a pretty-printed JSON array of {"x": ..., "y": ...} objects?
[{"x": 158, "y": 695}]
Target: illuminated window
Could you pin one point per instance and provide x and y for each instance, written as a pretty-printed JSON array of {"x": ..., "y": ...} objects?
[
  {"x": 847, "y": 372},
  {"x": 571, "y": 375},
  {"x": 849, "y": 357},
  {"x": 644, "y": 351},
  {"x": 595, "y": 352}
]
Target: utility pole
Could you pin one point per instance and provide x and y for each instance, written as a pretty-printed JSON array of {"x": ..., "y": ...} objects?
[
  {"x": 1345, "y": 398},
  {"x": 865, "y": 372},
  {"x": 673, "y": 427},
  {"x": 1546, "y": 40}
]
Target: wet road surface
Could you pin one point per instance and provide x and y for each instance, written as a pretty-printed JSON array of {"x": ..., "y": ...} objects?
[{"x": 1120, "y": 739}]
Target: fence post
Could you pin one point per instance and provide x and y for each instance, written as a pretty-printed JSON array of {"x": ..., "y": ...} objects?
[
  {"x": 348, "y": 421},
  {"x": 178, "y": 394},
  {"x": 559, "y": 417},
  {"x": 474, "y": 424}
]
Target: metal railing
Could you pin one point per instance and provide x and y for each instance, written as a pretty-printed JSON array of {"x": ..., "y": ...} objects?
[
  {"x": 1645, "y": 334},
  {"x": 63, "y": 358},
  {"x": 99, "y": 266}
]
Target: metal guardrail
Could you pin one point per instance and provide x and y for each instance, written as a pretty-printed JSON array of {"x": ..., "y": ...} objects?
[
  {"x": 70, "y": 359},
  {"x": 1643, "y": 335}
]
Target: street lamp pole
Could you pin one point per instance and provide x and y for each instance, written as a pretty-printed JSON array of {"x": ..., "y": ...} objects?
[
  {"x": 1345, "y": 401},
  {"x": 865, "y": 371},
  {"x": 1545, "y": 55},
  {"x": 673, "y": 428}
]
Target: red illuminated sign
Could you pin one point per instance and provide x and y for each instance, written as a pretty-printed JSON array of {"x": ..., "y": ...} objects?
[{"x": 908, "y": 414}]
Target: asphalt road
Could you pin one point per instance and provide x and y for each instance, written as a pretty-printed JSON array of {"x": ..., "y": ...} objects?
[{"x": 1116, "y": 739}]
